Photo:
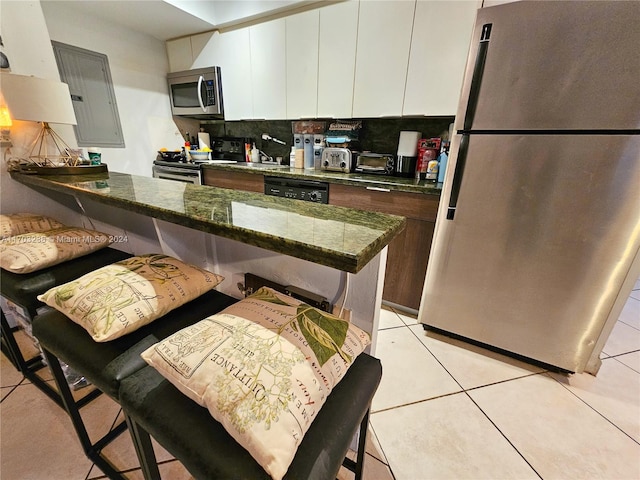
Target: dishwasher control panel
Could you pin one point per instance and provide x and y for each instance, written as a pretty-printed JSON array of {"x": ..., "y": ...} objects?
[{"x": 307, "y": 190}]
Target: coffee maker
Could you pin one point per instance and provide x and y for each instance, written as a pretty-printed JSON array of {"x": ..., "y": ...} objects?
[{"x": 407, "y": 155}]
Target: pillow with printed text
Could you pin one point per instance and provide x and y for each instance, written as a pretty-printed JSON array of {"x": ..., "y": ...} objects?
[
  {"x": 263, "y": 367},
  {"x": 124, "y": 296}
]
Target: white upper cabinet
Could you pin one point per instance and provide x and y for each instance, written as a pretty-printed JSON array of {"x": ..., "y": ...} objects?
[
  {"x": 179, "y": 54},
  {"x": 302, "y": 64},
  {"x": 439, "y": 47},
  {"x": 384, "y": 39},
  {"x": 337, "y": 59},
  {"x": 235, "y": 66},
  {"x": 269, "y": 69},
  {"x": 201, "y": 52}
]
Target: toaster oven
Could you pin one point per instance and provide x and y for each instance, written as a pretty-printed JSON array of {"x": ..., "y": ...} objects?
[{"x": 375, "y": 163}]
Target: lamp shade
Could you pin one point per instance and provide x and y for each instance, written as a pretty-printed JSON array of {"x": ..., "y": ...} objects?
[{"x": 37, "y": 99}]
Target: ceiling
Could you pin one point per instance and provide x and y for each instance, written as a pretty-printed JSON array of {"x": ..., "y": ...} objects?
[{"x": 169, "y": 19}]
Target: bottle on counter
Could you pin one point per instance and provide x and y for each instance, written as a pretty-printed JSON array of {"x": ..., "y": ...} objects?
[
  {"x": 255, "y": 154},
  {"x": 292, "y": 156},
  {"x": 432, "y": 171},
  {"x": 442, "y": 161}
]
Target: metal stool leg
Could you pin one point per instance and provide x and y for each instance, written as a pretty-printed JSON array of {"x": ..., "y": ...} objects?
[
  {"x": 144, "y": 449},
  {"x": 357, "y": 466},
  {"x": 91, "y": 450}
]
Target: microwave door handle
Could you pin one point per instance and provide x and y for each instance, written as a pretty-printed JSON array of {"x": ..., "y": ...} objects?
[{"x": 200, "y": 80}]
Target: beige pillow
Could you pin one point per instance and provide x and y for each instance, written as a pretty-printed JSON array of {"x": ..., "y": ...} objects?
[
  {"x": 19, "y": 223},
  {"x": 124, "y": 296},
  {"x": 30, "y": 252},
  {"x": 263, "y": 367}
]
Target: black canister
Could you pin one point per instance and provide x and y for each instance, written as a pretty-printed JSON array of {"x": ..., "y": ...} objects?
[{"x": 406, "y": 166}]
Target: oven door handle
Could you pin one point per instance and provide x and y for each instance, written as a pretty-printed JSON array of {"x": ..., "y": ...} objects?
[
  {"x": 181, "y": 171},
  {"x": 195, "y": 179}
]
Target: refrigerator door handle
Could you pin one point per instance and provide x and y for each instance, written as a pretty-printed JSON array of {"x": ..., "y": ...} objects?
[
  {"x": 474, "y": 91},
  {"x": 457, "y": 176},
  {"x": 476, "y": 78}
]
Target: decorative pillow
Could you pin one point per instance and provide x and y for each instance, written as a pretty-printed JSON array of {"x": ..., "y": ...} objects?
[
  {"x": 263, "y": 367},
  {"x": 19, "y": 223},
  {"x": 124, "y": 296},
  {"x": 34, "y": 251}
]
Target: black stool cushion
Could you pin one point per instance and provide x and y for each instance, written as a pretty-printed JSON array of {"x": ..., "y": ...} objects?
[
  {"x": 23, "y": 289},
  {"x": 188, "y": 431},
  {"x": 105, "y": 364}
]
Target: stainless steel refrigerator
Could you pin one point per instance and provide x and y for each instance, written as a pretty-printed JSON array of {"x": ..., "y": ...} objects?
[{"x": 537, "y": 238}]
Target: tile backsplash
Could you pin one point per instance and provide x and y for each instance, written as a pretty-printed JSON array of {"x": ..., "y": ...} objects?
[{"x": 378, "y": 135}]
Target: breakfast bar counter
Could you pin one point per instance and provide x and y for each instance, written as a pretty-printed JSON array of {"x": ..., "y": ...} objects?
[{"x": 337, "y": 237}]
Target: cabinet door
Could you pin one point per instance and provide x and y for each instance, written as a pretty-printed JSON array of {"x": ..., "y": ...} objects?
[
  {"x": 302, "y": 64},
  {"x": 337, "y": 59},
  {"x": 235, "y": 66},
  {"x": 201, "y": 51},
  {"x": 233, "y": 180},
  {"x": 408, "y": 253},
  {"x": 268, "y": 69},
  {"x": 407, "y": 259},
  {"x": 384, "y": 38},
  {"x": 439, "y": 47},
  {"x": 179, "y": 54}
]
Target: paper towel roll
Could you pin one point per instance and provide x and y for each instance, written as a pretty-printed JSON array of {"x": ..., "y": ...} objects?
[
  {"x": 408, "y": 143},
  {"x": 204, "y": 140}
]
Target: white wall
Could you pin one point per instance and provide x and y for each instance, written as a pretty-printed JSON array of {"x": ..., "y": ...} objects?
[
  {"x": 26, "y": 44},
  {"x": 138, "y": 65}
]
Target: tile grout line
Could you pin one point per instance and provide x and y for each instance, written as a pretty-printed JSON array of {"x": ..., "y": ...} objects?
[
  {"x": 592, "y": 407},
  {"x": 465, "y": 391},
  {"x": 503, "y": 435}
]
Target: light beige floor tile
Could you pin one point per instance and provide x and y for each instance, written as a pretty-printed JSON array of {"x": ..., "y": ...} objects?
[
  {"x": 408, "y": 319},
  {"x": 631, "y": 313},
  {"x": 446, "y": 438},
  {"x": 635, "y": 294},
  {"x": 373, "y": 446},
  {"x": 37, "y": 439},
  {"x": 559, "y": 435},
  {"x": 389, "y": 319},
  {"x": 614, "y": 393},
  {"x": 173, "y": 470},
  {"x": 373, "y": 469},
  {"x": 409, "y": 372},
  {"x": 9, "y": 376},
  {"x": 631, "y": 360},
  {"x": 623, "y": 339},
  {"x": 470, "y": 365}
]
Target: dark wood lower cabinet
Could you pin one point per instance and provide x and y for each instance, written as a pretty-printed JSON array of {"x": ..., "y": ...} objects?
[
  {"x": 408, "y": 253},
  {"x": 407, "y": 259},
  {"x": 234, "y": 180}
]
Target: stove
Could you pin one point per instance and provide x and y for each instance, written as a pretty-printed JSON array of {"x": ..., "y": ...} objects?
[
  {"x": 223, "y": 150},
  {"x": 178, "y": 171}
]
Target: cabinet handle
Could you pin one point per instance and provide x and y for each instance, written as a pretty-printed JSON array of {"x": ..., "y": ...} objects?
[{"x": 379, "y": 189}]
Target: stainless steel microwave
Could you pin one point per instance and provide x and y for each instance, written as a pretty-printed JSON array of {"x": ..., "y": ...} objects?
[{"x": 196, "y": 93}]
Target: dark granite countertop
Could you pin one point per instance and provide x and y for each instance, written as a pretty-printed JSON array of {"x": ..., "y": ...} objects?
[
  {"x": 337, "y": 237},
  {"x": 355, "y": 179}
]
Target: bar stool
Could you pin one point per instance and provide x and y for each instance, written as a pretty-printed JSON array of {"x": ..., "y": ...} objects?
[
  {"x": 152, "y": 405},
  {"x": 106, "y": 364},
  {"x": 23, "y": 289}
]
